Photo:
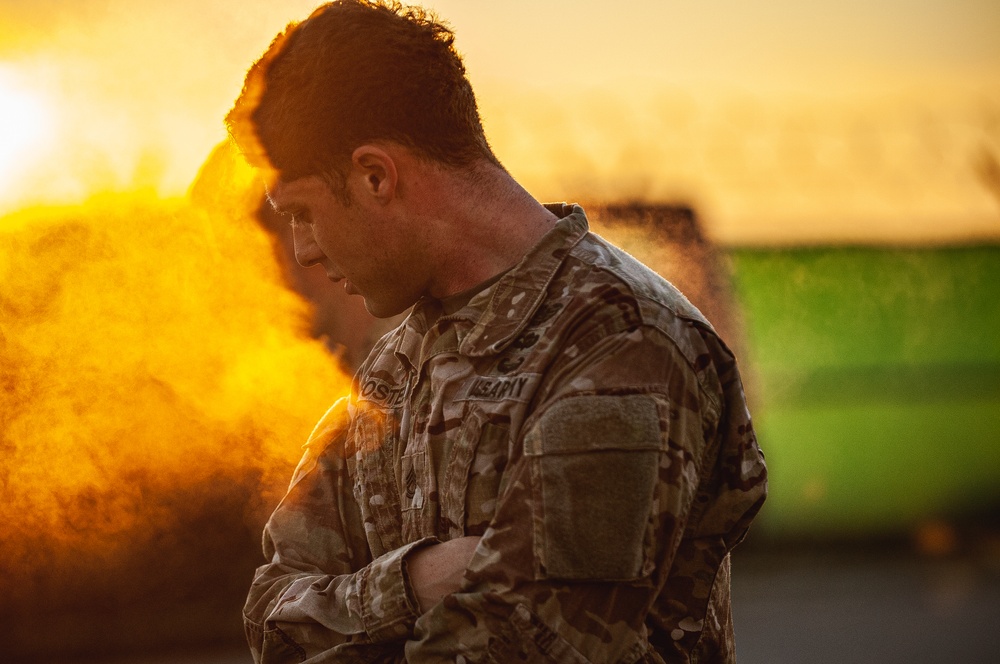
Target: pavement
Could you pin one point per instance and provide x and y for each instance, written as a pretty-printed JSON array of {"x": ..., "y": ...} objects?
[
  {"x": 864, "y": 607},
  {"x": 830, "y": 606}
]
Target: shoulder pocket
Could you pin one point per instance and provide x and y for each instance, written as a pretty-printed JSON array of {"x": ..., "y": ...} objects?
[{"x": 594, "y": 468}]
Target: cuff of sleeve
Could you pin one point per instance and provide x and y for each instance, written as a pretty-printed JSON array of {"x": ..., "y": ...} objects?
[{"x": 388, "y": 608}]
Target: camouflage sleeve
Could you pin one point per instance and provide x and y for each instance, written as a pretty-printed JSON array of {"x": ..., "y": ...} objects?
[
  {"x": 321, "y": 591},
  {"x": 592, "y": 509}
]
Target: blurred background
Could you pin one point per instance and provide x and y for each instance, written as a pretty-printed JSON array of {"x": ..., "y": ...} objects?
[{"x": 822, "y": 179}]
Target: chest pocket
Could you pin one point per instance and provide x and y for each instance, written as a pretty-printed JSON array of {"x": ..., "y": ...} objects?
[
  {"x": 375, "y": 490},
  {"x": 472, "y": 477}
]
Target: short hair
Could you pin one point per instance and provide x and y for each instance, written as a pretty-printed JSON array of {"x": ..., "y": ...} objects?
[{"x": 353, "y": 72}]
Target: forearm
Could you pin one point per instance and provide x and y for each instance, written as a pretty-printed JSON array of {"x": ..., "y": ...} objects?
[
  {"x": 437, "y": 571},
  {"x": 317, "y": 612},
  {"x": 321, "y": 588},
  {"x": 538, "y": 622}
]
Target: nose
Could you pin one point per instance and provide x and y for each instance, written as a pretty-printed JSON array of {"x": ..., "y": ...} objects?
[{"x": 307, "y": 252}]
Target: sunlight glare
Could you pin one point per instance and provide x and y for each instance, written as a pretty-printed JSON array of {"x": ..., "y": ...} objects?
[{"x": 26, "y": 125}]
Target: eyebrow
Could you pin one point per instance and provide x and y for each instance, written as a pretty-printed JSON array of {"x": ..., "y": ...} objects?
[
  {"x": 274, "y": 205},
  {"x": 291, "y": 208}
]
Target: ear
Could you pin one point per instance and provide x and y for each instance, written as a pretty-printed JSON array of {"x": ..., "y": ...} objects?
[{"x": 377, "y": 170}]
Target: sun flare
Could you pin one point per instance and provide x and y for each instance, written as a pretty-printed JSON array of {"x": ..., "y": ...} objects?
[{"x": 26, "y": 125}]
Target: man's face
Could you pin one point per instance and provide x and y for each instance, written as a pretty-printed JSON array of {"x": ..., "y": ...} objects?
[{"x": 353, "y": 239}]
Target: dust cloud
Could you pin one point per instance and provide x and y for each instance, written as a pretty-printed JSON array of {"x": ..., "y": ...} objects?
[{"x": 156, "y": 382}]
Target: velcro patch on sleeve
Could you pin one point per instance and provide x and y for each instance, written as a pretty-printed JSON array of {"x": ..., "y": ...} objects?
[{"x": 596, "y": 466}]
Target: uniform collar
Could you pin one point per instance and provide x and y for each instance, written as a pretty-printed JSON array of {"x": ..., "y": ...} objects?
[{"x": 514, "y": 299}]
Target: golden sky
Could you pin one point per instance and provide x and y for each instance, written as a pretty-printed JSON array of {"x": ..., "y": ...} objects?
[{"x": 780, "y": 120}]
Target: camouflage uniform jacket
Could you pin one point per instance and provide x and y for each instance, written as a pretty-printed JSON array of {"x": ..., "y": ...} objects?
[{"x": 584, "y": 419}]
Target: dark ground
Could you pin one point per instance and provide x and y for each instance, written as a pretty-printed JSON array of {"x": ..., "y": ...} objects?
[
  {"x": 865, "y": 607},
  {"x": 836, "y": 604}
]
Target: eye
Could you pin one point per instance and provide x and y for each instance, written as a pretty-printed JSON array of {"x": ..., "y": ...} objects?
[{"x": 299, "y": 217}]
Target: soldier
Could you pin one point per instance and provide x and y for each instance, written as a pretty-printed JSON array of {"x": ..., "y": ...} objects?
[{"x": 551, "y": 458}]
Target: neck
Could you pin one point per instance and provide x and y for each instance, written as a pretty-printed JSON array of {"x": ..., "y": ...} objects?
[{"x": 479, "y": 222}]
